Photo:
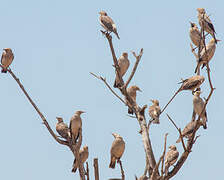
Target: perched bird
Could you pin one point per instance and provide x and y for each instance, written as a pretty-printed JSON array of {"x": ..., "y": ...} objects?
[
  {"x": 154, "y": 111},
  {"x": 171, "y": 157},
  {"x": 62, "y": 128},
  {"x": 132, "y": 93},
  {"x": 7, "y": 58},
  {"x": 206, "y": 55},
  {"x": 195, "y": 35},
  {"x": 83, "y": 155},
  {"x": 188, "y": 130},
  {"x": 117, "y": 149},
  {"x": 205, "y": 21},
  {"x": 198, "y": 105},
  {"x": 123, "y": 64},
  {"x": 108, "y": 23},
  {"x": 192, "y": 83},
  {"x": 75, "y": 125}
]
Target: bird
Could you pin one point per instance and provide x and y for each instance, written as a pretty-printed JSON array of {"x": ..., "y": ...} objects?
[
  {"x": 62, "y": 128},
  {"x": 205, "y": 22},
  {"x": 6, "y": 60},
  {"x": 206, "y": 54},
  {"x": 143, "y": 177},
  {"x": 171, "y": 157},
  {"x": 188, "y": 130},
  {"x": 195, "y": 35},
  {"x": 132, "y": 93},
  {"x": 155, "y": 111},
  {"x": 192, "y": 83},
  {"x": 198, "y": 105},
  {"x": 117, "y": 149},
  {"x": 123, "y": 64},
  {"x": 75, "y": 125},
  {"x": 83, "y": 155},
  {"x": 107, "y": 23}
]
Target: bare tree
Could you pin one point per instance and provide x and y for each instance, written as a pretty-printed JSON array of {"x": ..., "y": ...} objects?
[{"x": 152, "y": 167}]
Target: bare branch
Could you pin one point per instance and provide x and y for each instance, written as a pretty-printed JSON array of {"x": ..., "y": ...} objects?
[
  {"x": 87, "y": 170},
  {"x": 37, "y": 109},
  {"x": 117, "y": 68},
  {"x": 96, "y": 168},
  {"x": 164, "y": 152},
  {"x": 122, "y": 170},
  {"x": 170, "y": 101},
  {"x": 179, "y": 130},
  {"x": 105, "y": 82},
  {"x": 138, "y": 58}
]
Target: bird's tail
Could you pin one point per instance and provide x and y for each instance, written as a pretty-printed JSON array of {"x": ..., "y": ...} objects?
[
  {"x": 130, "y": 111},
  {"x": 204, "y": 122},
  {"x": 178, "y": 140},
  {"x": 4, "y": 70},
  {"x": 115, "y": 32},
  {"x": 198, "y": 66},
  {"x": 117, "y": 82},
  {"x": 74, "y": 168},
  {"x": 112, "y": 163}
]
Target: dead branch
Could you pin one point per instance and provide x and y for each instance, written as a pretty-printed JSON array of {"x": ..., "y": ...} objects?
[
  {"x": 87, "y": 170},
  {"x": 75, "y": 149},
  {"x": 117, "y": 69},
  {"x": 179, "y": 130},
  {"x": 138, "y": 58},
  {"x": 122, "y": 170},
  {"x": 96, "y": 168},
  {"x": 105, "y": 82},
  {"x": 164, "y": 152}
]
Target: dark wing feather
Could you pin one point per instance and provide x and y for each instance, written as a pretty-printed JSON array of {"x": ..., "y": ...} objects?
[
  {"x": 191, "y": 85},
  {"x": 107, "y": 21}
]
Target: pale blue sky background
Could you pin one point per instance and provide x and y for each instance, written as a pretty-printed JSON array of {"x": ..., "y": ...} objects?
[{"x": 57, "y": 43}]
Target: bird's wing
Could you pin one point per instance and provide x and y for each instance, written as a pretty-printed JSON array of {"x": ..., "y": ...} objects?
[
  {"x": 173, "y": 155},
  {"x": 108, "y": 22},
  {"x": 2, "y": 58},
  {"x": 191, "y": 84},
  {"x": 207, "y": 19}
]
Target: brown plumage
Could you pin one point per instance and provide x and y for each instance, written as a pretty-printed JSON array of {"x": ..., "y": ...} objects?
[
  {"x": 171, "y": 157},
  {"x": 192, "y": 83},
  {"x": 117, "y": 149},
  {"x": 206, "y": 56},
  {"x": 75, "y": 125},
  {"x": 62, "y": 128},
  {"x": 155, "y": 111},
  {"x": 205, "y": 21},
  {"x": 7, "y": 58},
  {"x": 123, "y": 64},
  {"x": 83, "y": 155},
  {"x": 198, "y": 105},
  {"x": 188, "y": 130},
  {"x": 195, "y": 36},
  {"x": 107, "y": 23},
  {"x": 132, "y": 93}
]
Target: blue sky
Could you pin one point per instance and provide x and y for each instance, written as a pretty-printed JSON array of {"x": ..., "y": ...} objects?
[{"x": 57, "y": 43}]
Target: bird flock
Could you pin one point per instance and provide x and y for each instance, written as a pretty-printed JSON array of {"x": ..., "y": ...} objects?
[{"x": 206, "y": 52}]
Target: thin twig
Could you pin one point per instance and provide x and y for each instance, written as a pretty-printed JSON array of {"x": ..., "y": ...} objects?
[
  {"x": 163, "y": 155},
  {"x": 96, "y": 168},
  {"x": 170, "y": 100},
  {"x": 105, "y": 82},
  {"x": 179, "y": 130},
  {"x": 138, "y": 58},
  {"x": 37, "y": 109},
  {"x": 122, "y": 170},
  {"x": 87, "y": 170}
]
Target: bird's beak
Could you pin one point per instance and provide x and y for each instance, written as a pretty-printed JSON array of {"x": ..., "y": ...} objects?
[
  {"x": 140, "y": 90},
  {"x": 218, "y": 40},
  {"x": 83, "y": 111}
]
